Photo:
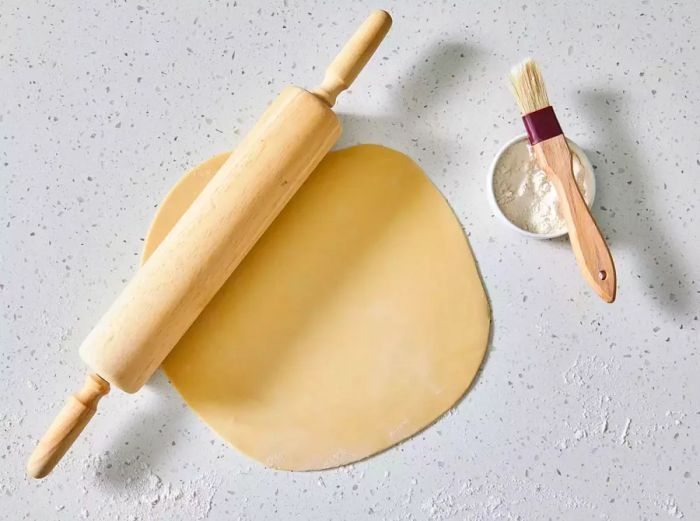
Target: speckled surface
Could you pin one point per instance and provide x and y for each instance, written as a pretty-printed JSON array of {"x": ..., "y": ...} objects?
[{"x": 582, "y": 411}]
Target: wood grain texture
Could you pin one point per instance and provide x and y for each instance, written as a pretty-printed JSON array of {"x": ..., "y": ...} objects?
[
  {"x": 353, "y": 57},
  {"x": 66, "y": 427},
  {"x": 168, "y": 293},
  {"x": 248, "y": 192},
  {"x": 590, "y": 248}
]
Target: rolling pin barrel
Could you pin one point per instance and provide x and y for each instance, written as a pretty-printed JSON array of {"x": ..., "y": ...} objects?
[{"x": 209, "y": 241}]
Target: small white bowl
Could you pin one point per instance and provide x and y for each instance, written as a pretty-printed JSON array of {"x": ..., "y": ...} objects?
[{"x": 590, "y": 181}]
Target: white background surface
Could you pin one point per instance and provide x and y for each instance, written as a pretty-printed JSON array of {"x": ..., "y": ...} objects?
[{"x": 582, "y": 411}]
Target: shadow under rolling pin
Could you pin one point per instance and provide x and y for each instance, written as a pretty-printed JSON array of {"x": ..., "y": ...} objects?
[{"x": 209, "y": 241}]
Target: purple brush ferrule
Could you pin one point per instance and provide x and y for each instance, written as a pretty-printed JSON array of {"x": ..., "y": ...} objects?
[{"x": 541, "y": 124}]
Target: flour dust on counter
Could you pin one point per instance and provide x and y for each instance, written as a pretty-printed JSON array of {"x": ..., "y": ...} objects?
[{"x": 135, "y": 492}]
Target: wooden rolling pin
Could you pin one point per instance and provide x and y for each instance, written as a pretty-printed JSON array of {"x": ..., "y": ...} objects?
[{"x": 209, "y": 241}]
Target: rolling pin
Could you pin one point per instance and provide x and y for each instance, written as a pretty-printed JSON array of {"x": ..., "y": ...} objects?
[{"x": 209, "y": 241}]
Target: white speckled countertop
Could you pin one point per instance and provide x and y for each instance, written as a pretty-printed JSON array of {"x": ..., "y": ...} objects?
[{"x": 582, "y": 411}]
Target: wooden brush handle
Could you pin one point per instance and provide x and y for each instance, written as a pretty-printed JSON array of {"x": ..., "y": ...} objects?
[
  {"x": 590, "y": 249},
  {"x": 69, "y": 423},
  {"x": 353, "y": 57}
]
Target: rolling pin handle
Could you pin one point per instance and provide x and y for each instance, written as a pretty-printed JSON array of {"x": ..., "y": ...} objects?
[
  {"x": 353, "y": 57},
  {"x": 67, "y": 426}
]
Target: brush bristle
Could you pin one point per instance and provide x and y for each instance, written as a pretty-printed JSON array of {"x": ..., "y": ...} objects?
[{"x": 528, "y": 87}]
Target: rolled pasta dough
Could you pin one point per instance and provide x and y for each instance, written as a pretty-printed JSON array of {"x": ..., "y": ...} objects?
[{"x": 356, "y": 320}]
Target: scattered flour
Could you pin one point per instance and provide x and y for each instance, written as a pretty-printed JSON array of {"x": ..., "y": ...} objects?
[
  {"x": 9, "y": 423},
  {"x": 526, "y": 196},
  {"x": 594, "y": 383},
  {"x": 593, "y": 378},
  {"x": 625, "y": 432},
  {"x": 669, "y": 506},
  {"x": 139, "y": 494},
  {"x": 486, "y": 499}
]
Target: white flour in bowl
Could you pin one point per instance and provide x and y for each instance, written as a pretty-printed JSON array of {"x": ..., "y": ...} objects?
[{"x": 526, "y": 196}]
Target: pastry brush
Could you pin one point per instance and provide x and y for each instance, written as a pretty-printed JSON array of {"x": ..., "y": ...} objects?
[{"x": 554, "y": 157}]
